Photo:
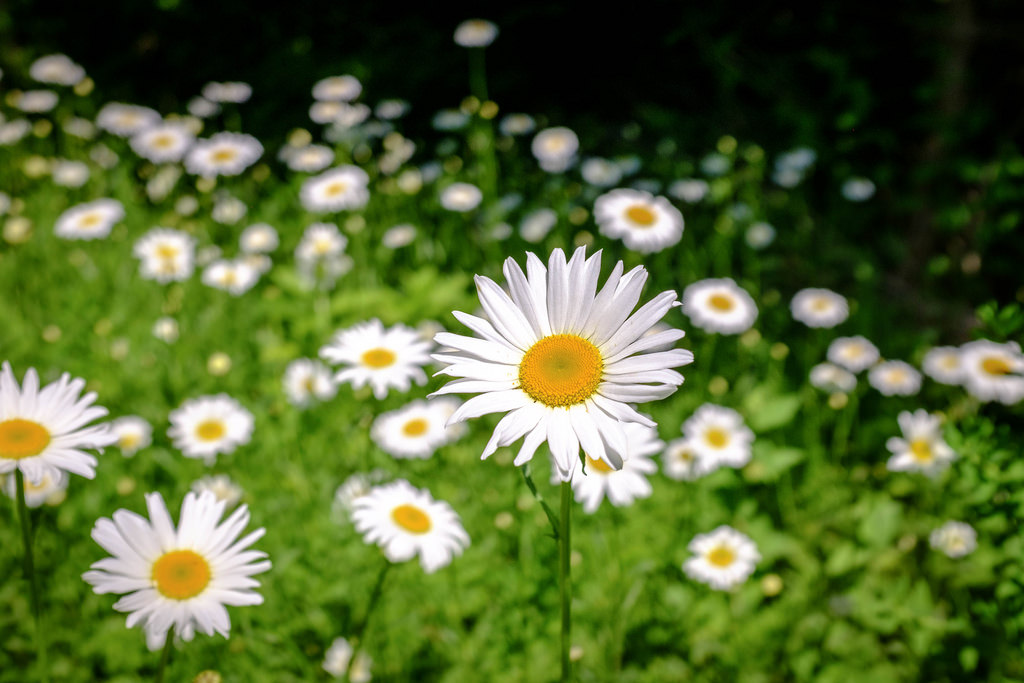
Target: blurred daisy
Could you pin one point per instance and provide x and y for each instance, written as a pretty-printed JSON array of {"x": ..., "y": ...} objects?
[
  {"x": 228, "y": 210},
  {"x": 399, "y": 236},
  {"x": 56, "y": 69},
  {"x": 307, "y": 380},
  {"x": 356, "y": 486},
  {"x": 89, "y": 221},
  {"x": 45, "y": 429},
  {"x": 67, "y": 173},
  {"x": 320, "y": 255},
  {"x": 309, "y": 159},
  {"x": 382, "y": 358},
  {"x": 163, "y": 143},
  {"x": 226, "y": 154},
  {"x": 51, "y": 490},
  {"x": 719, "y": 435},
  {"x": 719, "y": 305},
  {"x": 405, "y": 521},
  {"x": 166, "y": 329},
  {"x": 178, "y": 577},
  {"x": 759, "y": 235},
  {"x": 689, "y": 190},
  {"x": 202, "y": 108},
  {"x": 601, "y": 172},
  {"x": 895, "y": 378},
  {"x": 461, "y": 197},
  {"x": 858, "y": 189},
  {"x": 389, "y": 110},
  {"x": 341, "y": 188},
  {"x": 125, "y": 120},
  {"x": 415, "y": 430},
  {"x": 339, "y": 656},
  {"x": 79, "y": 127},
  {"x": 681, "y": 461},
  {"x": 325, "y": 112},
  {"x": 819, "y": 307},
  {"x": 133, "y": 434},
  {"x": 832, "y": 378},
  {"x": 231, "y": 91},
  {"x": 337, "y": 88},
  {"x": 537, "y": 224},
  {"x": 562, "y": 359},
  {"x": 555, "y": 148},
  {"x": 234, "y": 276},
  {"x": 11, "y": 132},
  {"x": 205, "y": 426},
  {"x": 645, "y": 223},
  {"x": 258, "y": 238},
  {"x": 853, "y": 353},
  {"x": 921, "y": 448},
  {"x": 103, "y": 156},
  {"x": 517, "y": 124},
  {"x": 475, "y": 33},
  {"x": 36, "y": 101},
  {"x": 993, "y": 372},
  {"x": 715, "y": 164},
  {"x": 626, "y": 484},
  {"x": 954, "y": 539},
  {"x": 345, "y": 116},
  {"x": 722, "y": 558},
  {"x": 165, "y": 255},
  {"x": 943, "y": 365},
  {"x": 222, "y": 488}
]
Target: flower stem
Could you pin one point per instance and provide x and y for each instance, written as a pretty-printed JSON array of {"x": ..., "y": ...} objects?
[
  {"x": 30, "y": 574},
  {"x": 565, "y": 581},
  {"x": 540, "y": 499},
  {"x": 360, "y": 629},
  {"x": 165, "y": 656}
]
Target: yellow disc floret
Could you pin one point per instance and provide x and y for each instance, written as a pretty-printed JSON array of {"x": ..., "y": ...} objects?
[
  {"x": 210, "y": 430},
  {"x": 379, "y": 358},
  {"x": 638, "y": 214},
  {"x": 181, "y": 574},
  {"x": 415, "y": 427},
  {"x": 921, "y": 449},
  {"x": 993, "y": 365},
  {"x": 721, "y": 302},
  {"x": 721, "y": 556},
  {"x": 411, "y": 518},
  {"x": 598, "y": 465},
  {"x": 22, "y": 439},
  {"x": 561, "y": 370}
]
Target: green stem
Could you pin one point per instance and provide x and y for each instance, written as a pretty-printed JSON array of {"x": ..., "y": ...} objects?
[
  {"x": 540, "y": 499},
  {"x": 565, "y": 581},
  {"x": 165, "y": 656},
  {"x": 30, "y": 574},
  {"x": 360, "y": 629}
]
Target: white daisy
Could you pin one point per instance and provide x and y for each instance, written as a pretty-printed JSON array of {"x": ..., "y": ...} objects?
[
  {"x": 11, "y": 132},
  {"x": 307, "y": 380},
  {"x": 626, "y": 484},
  {"x": 461, "y": 197},
  {"x": 832, "y": 378},
  {"x": 133, "y": 434},
  {"x": 233, "y": 276},
  {"x": 258, "y": 238},
  {"x": 56, "y": 69},
  {"x": 993, "y": 372},
  {"x": 517, "y": 124},
  {"x": 226, "y": 154},
  {"x": 853, "y": 353},
  {"x": 895, "y": 378},
  {"x": 391, "y": 358},
  {"x": 163, "y": 143},
  {"x": 405, "y": 521},
  {"x": 165, "y": 255},
  {"x": 308, "y": 159},
  {"x": 475, "y": 33},
  {"x": 537, "y": 224},
  {"x": 339, "y": 656},
  {"x": 45, "y": 429},
  {"x": 125, "y": 120},
  {"x": 51, "y": 490},
  {"x": 341, "y": 188},
  {"x": 719, "y": 305},
  {"x": 643, "y": 222},
  {"x": 759, "y": 235},
  {"x": 178, "y": 577},
  {"x": 321, "y": 240},
  {"x": 819, "y": 307},
  {"x": 601, "y": 172},
  {"x": 36, "y": 101},
  {"x": 235, "y": 92},
  {"x": 943, "y": 365},
  {"x": 564, "y": 360},
  {"x": 202, "y": 108},
  {"x": 955, "y": 539},
  {"x": 205, "y": 426},
  {"x": 166, "y": 329},
  {"x": 389, "y": 110},
  {"x": 67, "y": 173},
  {"x": 337, "y": 88},
  {"x": 719, "y": 435},
  {"x": 89, "y": 221},
  {"x": 689, "y": 190},
  {"x": 399, "y": 236},
  {"x": 681, "y": 461},
  {"x": 222, "y": 488},
  {"x": 555, "y": 148},
  {"x": 228, "y": 210},
  {"x": 722, "y": 558},
  {"x": 415, "y": 430},
  {"x": 921, "y": 448},
  {"x": 858, "y": 189}
]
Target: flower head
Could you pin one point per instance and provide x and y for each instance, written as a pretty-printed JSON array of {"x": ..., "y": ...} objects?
[
  {"x": 719, "y": 435},
  {"x": 921, "y": 447},
  {"x": 89, "y": 221},
  {"x": 226, "y": 154},
  {"x": 719, "y": 305},
  {"x": 816, "y": 307},
  {"x": 895, "y": 378},
  {"x": 624, "y": 485},
  {"x": 205, "y": 426},
  {"x": 415, "y": 430},
  {"x": 955, "y": 539},
  {"x": 992, "y": 371},
  {"x": 133, "y": 434},
  {"x": 643, "y": 222},
  {"x": 853, "y": 353},
  {"x": 475, "y": 33},
  {"x": 722, "y": 558},
  {"x": 341, "y": 188},
  {"x": 391, "y": 358}
]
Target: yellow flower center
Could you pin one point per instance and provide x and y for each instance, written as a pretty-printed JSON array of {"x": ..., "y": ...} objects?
[
  {"x": 598, "y": 466},
  {"x": 89, "y": 220},
  {"x": 721, "y": 302},
  {"x": 820, "y": 304},
  {"x": 128, "y": 441},
  {"x": 378, "y": 358},
  {"x": 334, "y": 189},
  {"x": 415, "y": 427},
  {"x": 921, "y": 450},
  {"x": 561, "y": 370},
  {"x": 309, "y": 385},
  {"x": 181, "y": 574},
  {"x": 716, "y": 437},
  {"x": 223, "y": 155},
  {"x": 22, "y": 438},
  {"x": 411, "y": 518},
  {"x": 640, "y": 215},
  {"x": 721, "y": 556},
  {"x": 994, "y": 365},
  {"x": 210, "y": 430},
  {"x": 163, "y": 141},
  {"x": 166, "y": 251}
]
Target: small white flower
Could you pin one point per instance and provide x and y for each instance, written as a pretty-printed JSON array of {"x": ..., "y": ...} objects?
[
  {"x": 858, "y": 189},
  {"x": 51, "y": 490},
  {"x": 337, "y": 88},
  {"x": 921, "y": 448},
  {"x": 475, "y": 33},
  {"x": 308, "y": 159},
  {"x": 993, "y": 372},
  {"x": 89, "y": 221},
  {"x": 414, "y": 431},
  {"x": 832, "y": 378},
  {"x": 202, "y": 108},
  {"x": 895, "y": 378},
  {"x": 389, "y": 110},
  {"x": 133, "y": 434},
  {"x": 163, "y": 143},
  {"x": 601, "y": 172},
  {"x": 681, "y": 461},
  {"x": 36, "y": 101},
  {"x": 235, "y": 276},
  {"x": 517, "y": 124},
  {"x": 222, "y": 488},
  {"x": 258, "y": 238},
  {"x": 206, "y": 426},
  {"x": 231, "y": 91},
  {"x": 537, "y": 224},
  {"x": 337, "y": 658},
  {"x": 689, "y": 190},
  {"x": 955, "y": 539},
  {"x": 306, "y": 380},
  {"x": 719, "y": 305},
  {"x": 759, "y": 235},
  {"x": 165, "y": 255},
  {"x": 341, "y": 188},
  {"x": 166, "y": 329},
  {"x": 723, "y": 558},
  {"x": 126, "y": 120},
  {"x": 461, "y": 197},
  {"x": 625, "y": 485},
  {"x": 555, "y": 148},
  {"x": 391, "y": 358},
  {"x": 819, "y": 307},
  {"x": 719, "y": 435},
  {"x": 644, "y": 222},
  {"x": 356, "y": 486},
  {"x": 226, "y": 154},
  {"x": 56, "y": 69},
  {"x": 943, "y": 364},
  {"x": 67, "y": 173},
  {"x": 399, "y": 236},
  {"x": 228, "y": 210},
  {"x": 853, "y": 353}
]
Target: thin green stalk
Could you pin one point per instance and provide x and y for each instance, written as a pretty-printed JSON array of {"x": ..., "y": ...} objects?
[
  {"x": 565, "y": 581},
  {"x": 540, "y": 499},
  {"x": 30, "y": 574},
  {"x": 360, "y": 629},
  {"x": 165, "y": 656}
]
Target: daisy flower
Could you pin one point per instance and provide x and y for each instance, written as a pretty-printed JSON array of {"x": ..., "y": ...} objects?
[
  {"x": 45, "y": 429},
  {"x": 719, "y": 435},
  {"x": 689, "y": 190},
  {"x": 235, "y": 276},
  {"x": 943, "y": 365},
  {"x": 955, "y": 539},
  {"x": 235, "y": 92},
  {"x": 341, "y": 188},
  {"x": 222, "y": 488},
  {"x": 202, "y": 108},
  {"x": 51, "y": 489},
  {"x": 722, "y": 558},
  {"x": 36, "y": 101},
  {"x": 832, "y": 378},
  {"x": 993, "y": 372},
  {"x": 562, "y": 358},
  {"x": 80, "y": 128},
  {"x": 475, "y": 33},
  {"x": 399, "y": 236},
  {"x": 624, "y": 485},
  {"x": 461, "y": 197},
  {"x": 226, "y": 154},
  {"x": 258, "y": 238},
  {"x": 337, "y": 88},
  {"x": 858, "y": 189},
  {"x": 56, "y": 69},
  {"x": 819, "y": 307},
  {"x": 178, "y": 577},
  {"x": 89, "y": 221},
  {"x": 165, "y": 255},
  {"x": 339, "y": 656},
  {"x": 643, "y": 222},
  {"x": 517, "y": 124},
  {"x": 719, "y": 305},
  {"x": 921, "y": 448},
  {"x": 382, "y": 358},
  {"x": 133, "y": 434},
  {"x": 405, "y": 521},
  {"x": 759, "y": 235},
  {"x": 537, "y": 224},
  {"x": 125, "y": 120},
  {"x": 895, "y": 378},
  {"x": 67, "y": 173},
  {"x": 205, "y": 426},
  {"x": 307, "y": 380},
  {"x": 683, "y": 462},
  {"x": 601, "y": 172},
  {"x": 308, "y": 159},
  {"x": 163, "y": 143},
  {"x": 413, "y": 431},
  {"x": 555, "y": 148},
  {"x": 853, "y": 353}
]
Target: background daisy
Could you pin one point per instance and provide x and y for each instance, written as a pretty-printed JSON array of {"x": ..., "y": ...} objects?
[
  {"x": 723, "y": 558},
  {"x": 206, "y": 426},
  {"x": 719, "y": 305},
  {"x": 382, "y": 358},
  {"x": 643, "y": 222}
]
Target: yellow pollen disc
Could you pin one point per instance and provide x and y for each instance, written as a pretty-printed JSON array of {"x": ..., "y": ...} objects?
[
  {"x": 722, "y": 556},
  {"x": 309, "y": 385},
  {"x": 229, "y": 278},
  {"x": 921, "y": 450},
  {"x": 716, "y": 438},
  {"x": 222, "y": 155},
  {"x": 210, "y": 430},
  {"x": 721, "y": 302},
  {"x": 181, "y": 574},
  {"x": 22, "y": 439},
  {"x": 995, "y": 366},
  {"x": 334, "y": 189},
  {"x": 685, "y": 456},
  {"x": 598, "y": 465},
  {"x": 89, "y": 220},
  {"x": 638, "y": 214},
  {"x": 163, "y": 141},
  {"x": 378, "y": 358},
  {"x": 166, "y": 251},
  {"x": 416, "y": 427},
  {"x": 898, "y": 375},
  {"x": 561, "y": 370},
  {"x": 411, "y": 518},
  {"x": 129, "y": 441},
  {"x": 821, "y": 304},
  {"x": 950, "y": 362}
]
